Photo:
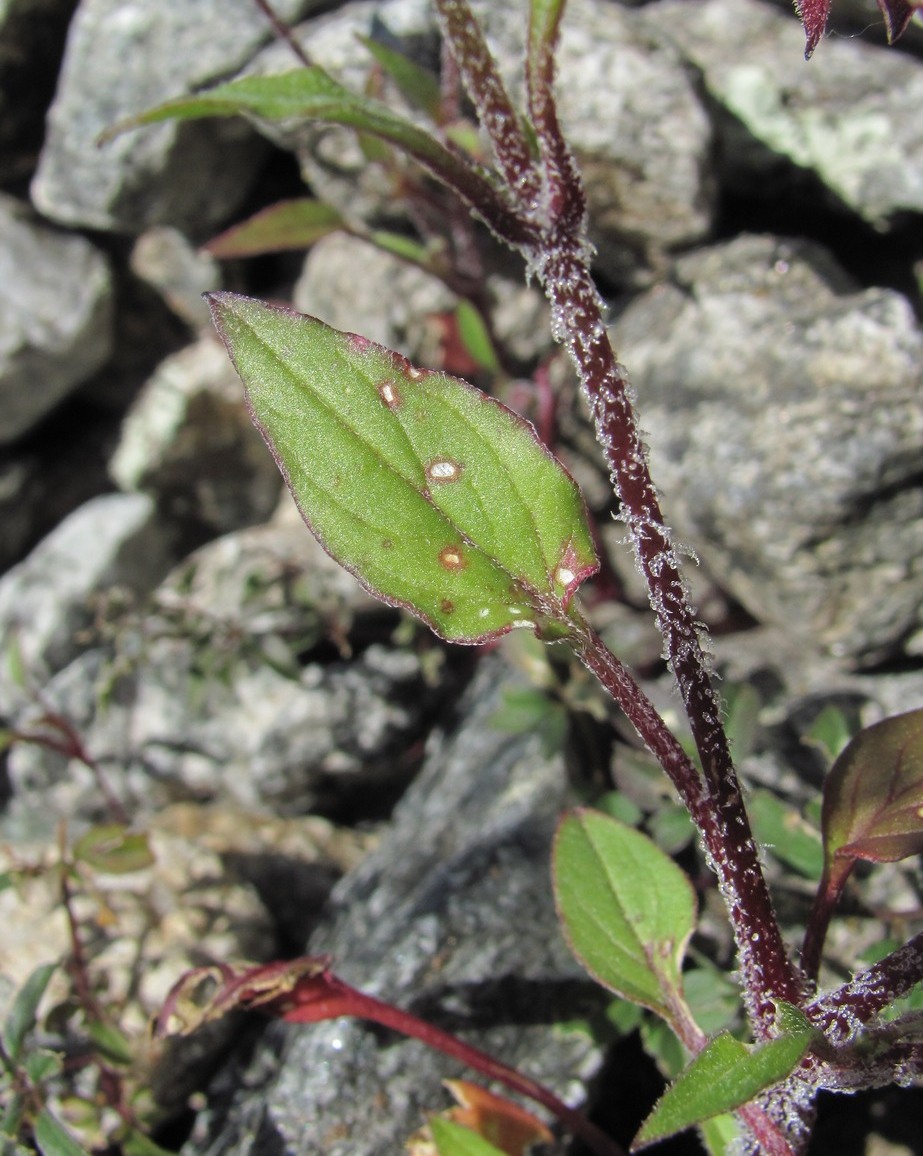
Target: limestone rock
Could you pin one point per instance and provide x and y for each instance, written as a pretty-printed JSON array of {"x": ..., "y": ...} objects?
[
  {"x": 786, "y": 434},
  {"x": 843, "y": 118},
  {"x": 55, "y": 317},
  {"x": 189, "y": 442},
  {"x": 122, "y": 58}
]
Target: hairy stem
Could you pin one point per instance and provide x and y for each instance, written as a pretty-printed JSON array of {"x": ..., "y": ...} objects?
[
  {"x": 726, "y": 835},
  {"x": 559, "y": 255},
  {"x": 840, "y": 1013}
]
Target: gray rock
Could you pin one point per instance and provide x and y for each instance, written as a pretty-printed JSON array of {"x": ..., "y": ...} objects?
[
  {"x": 209, "y": 693},
  {"x": 180, "y": 274},
  {"x": 353, "y": 285},
  {"x": 32, "y": 36},
  {"x": 450, "y": 916},
  {"x": 356, "y": 286},
  {"x": 189, "y": 442},
  {"x": 123, "y": 57},
  {"x": 787, "y": 436},
  {"x": 55, "y": 317},
  {"x": 843, "y": 117},
  {"x": 113, "y": 541}
]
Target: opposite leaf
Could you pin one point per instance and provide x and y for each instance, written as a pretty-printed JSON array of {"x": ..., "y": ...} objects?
[
  {"x": 438, "y": 498},
  {"x": 873, "y": 794},
  {"x": 725, "y": 1075},
  {"x": 626, "y": 908}
]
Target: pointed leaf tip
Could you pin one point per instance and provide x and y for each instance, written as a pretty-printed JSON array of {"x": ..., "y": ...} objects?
[
  {"x": 813, "y": 14},
  {"x": 434, "y": 495}
]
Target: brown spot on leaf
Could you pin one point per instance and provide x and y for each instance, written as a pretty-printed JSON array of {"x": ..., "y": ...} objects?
[
  {"x": 451, "y": 558},
  {"x": 447, "y": 606}
]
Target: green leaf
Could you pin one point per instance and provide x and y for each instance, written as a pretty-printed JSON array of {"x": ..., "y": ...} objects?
[
  {"x": 418, "y": 86},
  {"x": 435, "y": 496},
  {"x": 294, "y": 224},
  {"x": 137, "y": 1144},
  {"x": 114, "y": 850},
  {"x": 725, "y": 1075},
  {"x": 312, "y": 94},
  {"x": 741, "y": 721},
  {"x": 720, "y": 1135},
  {"x": 472, "y": 329},
  {"x": 626, "y": 908},
  {"x": 786, "y": 834},
  {"x": 527, "y": 710},
  {"x": 831, "y": 731},
  {"x": 454, "y": 1140},
  {"x": 53, "y": 1139},
  {"x": 41, "y": 1065},
  {"x": 21, "y": 1017},
  {"x": 407, "y": 248},
  {"x": 544, "y": 21},
  {"x": 873, "y": 794},
  {"x": 111, "y": 1042}
]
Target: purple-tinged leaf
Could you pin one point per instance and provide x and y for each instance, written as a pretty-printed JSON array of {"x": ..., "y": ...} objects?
[
  {"x": 813, "y": 14},
  {"x": 437, "y": 497},
  {"x": 294, "y": 224},
  {"x": 873, "y": 794},
  {"x": 897, "y": 14}
]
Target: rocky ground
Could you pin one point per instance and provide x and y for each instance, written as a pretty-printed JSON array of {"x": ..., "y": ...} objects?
[{"x": 307, "y": 766}]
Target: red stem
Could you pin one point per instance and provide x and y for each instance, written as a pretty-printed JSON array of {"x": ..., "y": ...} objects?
[{"x": 367, "y": 1007}]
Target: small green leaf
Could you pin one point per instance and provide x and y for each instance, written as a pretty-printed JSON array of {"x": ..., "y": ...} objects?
[
  {"x": 137, "y": 1144},
  {"x": 21, "y": 1017},
  {"x": 312, "y": 94},
  {"x": 41, "y": 1065},
  {"x": 406, "y": 248},
  {"x": 12, "y": 1110},
  {"x": 786, "y": 834},
  {"x": 294, "y": 224},
  {"x": 873, "y": 794},
  {"x": 720, "y": 1135},
  {"x": 454, "y": 1140},
  {"x": 671, "y": 828},
  {"x": 419, "y": 87},
  {"x": 114, "y": 850},
  {"x": 741, "y": 721},
  {"x": 544, "y": 19},
  {"x": 111, "y": 1042},
  {"x": 626, "y": 908},
  {"x": 53, "y": 1139},
  {"x": 830, "y": 731},
  {"x": 472, "y": 329},
  {"x": 438, "y": 498},
  {"x": 725, "y": 1075}
]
